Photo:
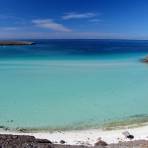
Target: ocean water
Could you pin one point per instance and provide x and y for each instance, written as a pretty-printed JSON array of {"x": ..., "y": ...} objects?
[{"x": 73, "y": 84}]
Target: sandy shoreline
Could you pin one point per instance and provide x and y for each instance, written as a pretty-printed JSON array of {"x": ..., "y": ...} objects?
[{"x": 88, "y": 137}]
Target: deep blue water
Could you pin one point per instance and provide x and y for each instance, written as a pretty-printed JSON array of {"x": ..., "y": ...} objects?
[{"x": 69, "y": 48}]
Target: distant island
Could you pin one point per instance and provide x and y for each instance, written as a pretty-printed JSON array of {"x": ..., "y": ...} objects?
[{"x": 10, "y": 43}]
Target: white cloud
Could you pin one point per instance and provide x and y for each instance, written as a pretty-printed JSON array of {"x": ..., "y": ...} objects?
[
  {"x": 50, "y": 24},
  {"x": 73, "y": 15}
]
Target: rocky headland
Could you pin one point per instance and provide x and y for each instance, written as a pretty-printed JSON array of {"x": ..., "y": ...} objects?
[{"x": 10, "y": 43}]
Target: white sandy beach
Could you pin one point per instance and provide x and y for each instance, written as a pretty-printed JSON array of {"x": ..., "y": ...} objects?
[{"x": 88, "y": 137}]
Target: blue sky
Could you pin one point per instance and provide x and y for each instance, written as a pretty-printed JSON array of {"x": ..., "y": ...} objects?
[{"x": 125, "y": 19}]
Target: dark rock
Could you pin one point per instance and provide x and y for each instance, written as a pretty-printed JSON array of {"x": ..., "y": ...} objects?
[
  {"x": 130, "y": 137},
  {"x": 1, "y": 126},
  {"x": 6, "y": 128},
  {"x": 43, "y": 141},
  {"x": 22, "y": 141},
  {"x": 145, "y": 60},
  {"x": 101, "y": 143},
  {"x": 62, "y": 142},
  {"x": 23, "y": 130}
]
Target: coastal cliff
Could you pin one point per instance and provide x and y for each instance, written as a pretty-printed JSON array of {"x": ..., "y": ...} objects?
[{"x": 10, "y": 43}]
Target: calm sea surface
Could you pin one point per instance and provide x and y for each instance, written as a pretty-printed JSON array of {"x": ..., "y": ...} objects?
[{"x": 73, "y": 84}]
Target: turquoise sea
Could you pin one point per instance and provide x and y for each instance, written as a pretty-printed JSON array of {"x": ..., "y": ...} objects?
[{"x": 73, "y": 84}]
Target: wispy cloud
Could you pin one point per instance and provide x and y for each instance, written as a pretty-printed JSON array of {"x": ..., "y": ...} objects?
[
  {"x": 74, "y": 15},
  {"x": 50, "y": 24},
  {"x": 95, "y": 20},
  {"x": 9, "y": 28},
  {"x": 12, "y": 19},
  {"x": 69, "y": 35}
]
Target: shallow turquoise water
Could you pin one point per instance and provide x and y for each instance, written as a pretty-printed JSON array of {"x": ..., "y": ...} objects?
[{"x": 72, "y": 93}]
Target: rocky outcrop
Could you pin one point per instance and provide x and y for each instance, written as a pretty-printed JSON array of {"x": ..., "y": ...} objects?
[
  {"x": 10, "y": 43},
  {"x": 15, "y": 141},
  {"x": 101, "y": 143},
  {"x": 62, "y": 142},
  {"x": 131, "y": 144},
  {"x": 145, "y": 60}
]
